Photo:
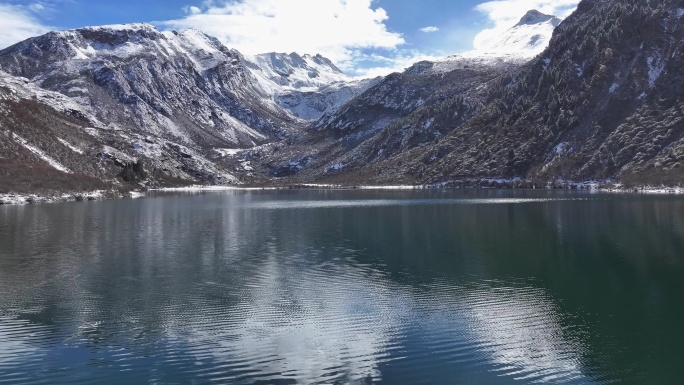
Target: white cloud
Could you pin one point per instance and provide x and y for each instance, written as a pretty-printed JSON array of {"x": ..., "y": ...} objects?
[
  {"x": 429, "y": 29},
  {"x": 19, "y": 24},
  {"x": 336, "y": 29},
  {"x": 379, "y": 65},
  {"x": 192, "y": 10},
  {"x": 36, "y": 7},
  {"x": 506, "y": 13}
]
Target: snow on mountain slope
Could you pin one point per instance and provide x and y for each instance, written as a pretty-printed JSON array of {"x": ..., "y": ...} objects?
[
  {"x": 517, "y": 45},
  {"x": 397, "y": 95},
  {"x": 281, "y": 72},
  {"x": 40, "y": 127},
  {"x": 307, "y": 86},
  {"x": 312, "y": 105},
  {"x": 18, "y": 88},
  {"x": 526, "y": 39}
]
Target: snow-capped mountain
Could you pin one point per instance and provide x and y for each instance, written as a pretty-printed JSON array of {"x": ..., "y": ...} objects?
[
  {"x": 307, "y": 86},
  {"x": 526, "y": 39},
  {"x": 603, "y": 100},
  {"x": 515, "y": 46},
  {"x": 180, "y": 100},
  {"x": 280, "y": 72},
  {"x": 426, "y": 83},
  {"x": 183, "y": 86}
]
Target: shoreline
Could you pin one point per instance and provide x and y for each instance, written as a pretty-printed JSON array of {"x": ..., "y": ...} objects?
[
  {"x": 99, "y": 195},
  {"x": 7, "y": 199}
]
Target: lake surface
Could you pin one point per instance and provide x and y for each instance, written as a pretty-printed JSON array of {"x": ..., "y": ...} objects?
[{"x": 344, "y": 287}]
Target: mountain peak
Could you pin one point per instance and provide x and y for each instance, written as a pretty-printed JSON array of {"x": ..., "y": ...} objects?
[
  {"x": 524, "y": 40},
  {"x": 133, "y": 27},
  {"x": 533, "y": 17}
]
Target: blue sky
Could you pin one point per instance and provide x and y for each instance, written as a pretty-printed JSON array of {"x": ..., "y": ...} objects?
[{"x": 364, "y": 37}]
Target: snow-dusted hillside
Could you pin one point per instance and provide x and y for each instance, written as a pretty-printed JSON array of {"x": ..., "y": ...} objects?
[
  {"x": 602, "y": 102},
  {"x": 49, "y": 144},
  {"x": 398, "y": 95},
  {"x": 398, "y": 113},
  {"x": 177, "y": 100}
]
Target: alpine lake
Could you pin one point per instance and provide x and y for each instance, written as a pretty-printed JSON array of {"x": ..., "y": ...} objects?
[{"x": 345, "y": 287}]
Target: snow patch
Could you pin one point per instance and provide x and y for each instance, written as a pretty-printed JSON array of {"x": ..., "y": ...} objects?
[
  {"x": 22, "y": 199},
  {"x": 655, "y": 69},
  {"x": 42, "y": 155},
  {"x": 150, "y": 149},
  {"x": 228, "y": 151},
  {"x": 200, "y": 188},
  {"x": 92, "y": 131},
  {"x": 335, "y": 167},
  {"x": 70, "y": 146},
  {"x": 77, "y": 90},
  {"x": 123, "y": 27},
  {"x": 561, "y": 148}
]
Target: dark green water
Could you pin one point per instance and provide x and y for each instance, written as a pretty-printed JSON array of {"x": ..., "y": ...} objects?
[{"x": 344, "y": 287}]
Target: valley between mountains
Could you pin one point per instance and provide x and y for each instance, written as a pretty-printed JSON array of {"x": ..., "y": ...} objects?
[{"x": 597, "y": 97}]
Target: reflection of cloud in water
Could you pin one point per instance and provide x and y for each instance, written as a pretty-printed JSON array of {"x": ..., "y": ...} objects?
[
  {"x": 334, "y": 322},
  {"x": 340, "y": 322},
  {"x": 520, "y": 328},
  {"x": 18, "y": 340}
]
